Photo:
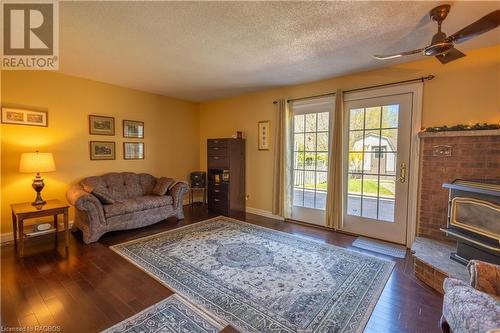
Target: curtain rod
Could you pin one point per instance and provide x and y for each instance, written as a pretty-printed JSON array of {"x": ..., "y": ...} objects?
[{"x": 421, "y": 79}]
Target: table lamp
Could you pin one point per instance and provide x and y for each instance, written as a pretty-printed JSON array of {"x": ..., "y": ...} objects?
[{"x": 35, "y": 163}]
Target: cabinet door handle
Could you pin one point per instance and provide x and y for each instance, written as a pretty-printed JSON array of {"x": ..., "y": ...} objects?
[
  {"x": 217, "y": 200},
  {"x": 216, "y": 191},
  {"x": 215, "y": 148},
  {"x": 216, "y": 157},
  {"x": 216, "y": 141}
]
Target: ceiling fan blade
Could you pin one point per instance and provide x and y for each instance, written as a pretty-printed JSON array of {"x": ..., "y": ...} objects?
[
  {"x": 397, "y": 55},
  {"x": 451, "y": 55},
  {"x": 484, "y": 24}
]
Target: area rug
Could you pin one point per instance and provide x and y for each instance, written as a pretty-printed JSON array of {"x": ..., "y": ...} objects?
[
  {"x": 386, "y": 248},
  {"x": 261, "y": 280},
  {"x": 172, "y": 315}
]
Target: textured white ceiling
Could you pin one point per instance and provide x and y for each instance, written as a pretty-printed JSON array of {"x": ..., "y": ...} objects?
[{"x": 206, "y": 50}]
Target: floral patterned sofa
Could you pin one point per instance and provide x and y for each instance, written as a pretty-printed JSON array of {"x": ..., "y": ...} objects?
[
  {"x": 126, "y": 200},
  {"x": 473, "y": 308}
]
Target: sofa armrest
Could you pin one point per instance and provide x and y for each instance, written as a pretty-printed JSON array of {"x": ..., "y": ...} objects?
[
  {"x": 466, "y": 309},
  {"x": 86, "y": 202},
  {"x": 450, "y": 283},
  {"x": 177, "y": 192},
  {"x": 484, "y": 277}
]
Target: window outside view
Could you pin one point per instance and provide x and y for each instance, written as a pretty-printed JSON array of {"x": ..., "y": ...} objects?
[
  {"x": 372, "y": 162},
  {"x": 310, "y": 154}
]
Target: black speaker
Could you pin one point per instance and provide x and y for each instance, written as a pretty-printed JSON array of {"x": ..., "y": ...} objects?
[{"x": 198, "y": 179}]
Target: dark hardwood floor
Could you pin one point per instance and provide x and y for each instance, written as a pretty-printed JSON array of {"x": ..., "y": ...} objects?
[{"x": 92, "y": 288}]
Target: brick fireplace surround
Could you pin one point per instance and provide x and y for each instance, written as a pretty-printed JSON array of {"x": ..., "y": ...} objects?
[
  {"x": 444, "y": 157},
  {"x": 474, "y": 155}
]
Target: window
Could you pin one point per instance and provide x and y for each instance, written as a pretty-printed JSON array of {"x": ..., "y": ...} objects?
[
  {"x": 371, "y": 174},
  {"x": 310, "y": 152},
  {"x": 378, "y": 152}
]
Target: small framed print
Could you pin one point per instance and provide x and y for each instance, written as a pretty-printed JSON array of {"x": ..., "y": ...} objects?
[
  {"x": 101, "y": 125},
  {"x": 102, "y": 150},
  {"x": 24, "y": 117},
  {"x": 133, "y": 129},
  {"x": 133, "y": 150},
  {"x": 264, "y": 135}
]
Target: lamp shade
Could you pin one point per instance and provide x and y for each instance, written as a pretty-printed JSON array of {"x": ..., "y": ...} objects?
[{"x": 37, "y": 162}]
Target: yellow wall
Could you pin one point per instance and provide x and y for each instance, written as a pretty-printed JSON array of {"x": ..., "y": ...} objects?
[
  {"x": 171, "y": 133},
  {"x": 464, "y": 91}
]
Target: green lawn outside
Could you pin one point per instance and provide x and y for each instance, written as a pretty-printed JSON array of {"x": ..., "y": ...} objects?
[
  {"x": 321, "y": 186},
  {"x": 370, "y": 187}
]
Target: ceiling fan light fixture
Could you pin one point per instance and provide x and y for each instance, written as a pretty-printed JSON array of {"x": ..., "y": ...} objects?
[{"x": 442, "y": 47}]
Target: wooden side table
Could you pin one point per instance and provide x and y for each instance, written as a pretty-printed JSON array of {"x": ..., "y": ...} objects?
[
  {"x": 191, "y": 194},
  {"x": 25, "y": 210}
]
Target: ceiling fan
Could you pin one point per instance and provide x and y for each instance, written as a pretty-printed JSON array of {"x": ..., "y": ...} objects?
[{"x": 442, "y": 47}]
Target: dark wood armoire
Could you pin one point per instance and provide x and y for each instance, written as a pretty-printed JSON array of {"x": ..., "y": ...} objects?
[{"x": 226, "y": 176}]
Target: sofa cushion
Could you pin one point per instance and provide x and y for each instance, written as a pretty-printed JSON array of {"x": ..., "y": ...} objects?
[
  {"x": 162, "y": 186},
  {"x": 147, "y": 183},
  {"x": 137, "y": 204},
  {"x": 154, "y": 201},
  {"x": 469, "y": 310},
  {"x": 123, "y": 185},
  {"x": 103, "y": 196},
  {"x": 100, "y": 192}
]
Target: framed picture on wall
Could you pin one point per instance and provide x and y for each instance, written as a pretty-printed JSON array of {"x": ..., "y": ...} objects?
[
  {"x": 102, "y": 150},
  {"x": 101, "y": 125},
  {"x": 264, "y": 135},
  {"x": 133, "y": 129},
  {"x": 24, "y": 117},
  {"x": 133, "y": 150}
]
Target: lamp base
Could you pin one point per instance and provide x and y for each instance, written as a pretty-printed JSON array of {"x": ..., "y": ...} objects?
[
  {"x": 38, "y": 203},
  {"x": 38, "y": 186}
]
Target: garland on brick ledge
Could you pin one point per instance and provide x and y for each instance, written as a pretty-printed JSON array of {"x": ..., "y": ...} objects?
[{"x": 462, "y": 127}]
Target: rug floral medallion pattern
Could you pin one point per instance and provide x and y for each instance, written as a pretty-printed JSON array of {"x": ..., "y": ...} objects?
[{"x": 261, "y": 280}]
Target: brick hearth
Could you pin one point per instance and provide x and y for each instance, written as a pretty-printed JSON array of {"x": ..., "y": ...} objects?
[
  {"x": 433, "y": 263},
  {"x": 474, "y": 155}
]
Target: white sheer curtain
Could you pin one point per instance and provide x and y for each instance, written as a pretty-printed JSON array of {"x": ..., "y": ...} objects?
[
  {"x": 335, "y": 194},
  {"x": 282, "y": 159}
]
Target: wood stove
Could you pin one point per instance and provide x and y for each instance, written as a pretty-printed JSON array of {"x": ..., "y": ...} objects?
[{"x": 474, "y": 220}]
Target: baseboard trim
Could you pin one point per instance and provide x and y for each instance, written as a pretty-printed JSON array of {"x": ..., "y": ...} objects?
[
  {"x": 8, "y": 237},
  {"x": 264, "y": 213}
]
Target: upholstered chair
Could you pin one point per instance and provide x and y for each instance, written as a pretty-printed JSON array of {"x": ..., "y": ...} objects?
[{"x": 474, "y": 307}]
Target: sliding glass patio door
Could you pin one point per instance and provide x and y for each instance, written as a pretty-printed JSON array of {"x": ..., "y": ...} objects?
[{"x": 311, "y": 123}]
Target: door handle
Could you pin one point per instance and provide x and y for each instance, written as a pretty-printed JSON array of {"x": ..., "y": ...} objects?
[{"x": 402, "y": 173}]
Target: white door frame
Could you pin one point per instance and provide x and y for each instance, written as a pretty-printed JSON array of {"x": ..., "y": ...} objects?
[{"x": 416, "y": 89}]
